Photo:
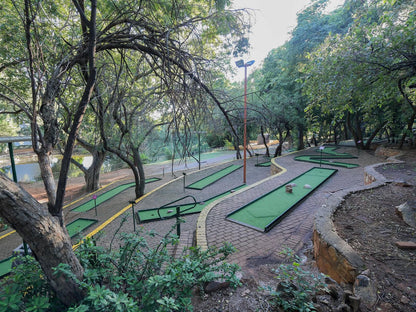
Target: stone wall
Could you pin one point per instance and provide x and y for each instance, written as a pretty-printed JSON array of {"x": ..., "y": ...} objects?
[{"x": 333, "y": 255}]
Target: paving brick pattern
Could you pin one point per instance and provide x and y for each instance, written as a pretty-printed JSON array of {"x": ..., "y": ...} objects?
[
  {"x": 295, "y": 229},
  {"x": 253, "y": 247}
]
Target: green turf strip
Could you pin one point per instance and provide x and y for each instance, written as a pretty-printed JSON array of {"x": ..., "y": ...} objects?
[
  {"x": 170, "y": 211},
  {"x": 6, "y": 266},
  {"x": 78, "y": 225},
  {"x": 326, "y": 160},
  {"x": 331, "y": 150},
  {"x": 201, "y": 184},
  {"x": 107, "y": 195},
  {"x": 264, "y": 212},
  {"x": 264, "y": 164}
]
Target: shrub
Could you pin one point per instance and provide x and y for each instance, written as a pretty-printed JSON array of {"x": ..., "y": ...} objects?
[
  {"x": 296, "y": 286},
  {"x": 133, "y": 278}
]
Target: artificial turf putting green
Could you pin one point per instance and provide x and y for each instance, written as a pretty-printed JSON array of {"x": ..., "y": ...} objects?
[
  {"x": 328, "y": 158},
  {"x": 78, "y": 225},
  {"x": 264, "y": 164},
  {"x": 107, "y": 195},
  {"x": 325, "y": 161},
  {"x": 6, "y": 266},
  {"x": 264, "y": 212},
  {"x": 331, "y": 150},
  {"x": 170, "y": 211},
  {"x": 201, "y": 184}
]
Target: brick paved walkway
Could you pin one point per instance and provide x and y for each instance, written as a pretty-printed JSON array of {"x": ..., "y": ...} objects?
[
  {"x": 295, "y": 229},
  {"x": 253, "y": 247}
]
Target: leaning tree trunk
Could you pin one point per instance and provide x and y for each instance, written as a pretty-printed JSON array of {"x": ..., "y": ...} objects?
[
  {"x": 139, "y": 175},
  {"x": 47, "y": 176},
  {"x": 46, "y": 238}
]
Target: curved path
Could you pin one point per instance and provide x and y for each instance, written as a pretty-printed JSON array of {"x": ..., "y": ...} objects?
[{"x": 253, "y": 248}]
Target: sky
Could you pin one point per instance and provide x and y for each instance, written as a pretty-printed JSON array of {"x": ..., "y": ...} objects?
[{"x": 273, "y": 21}]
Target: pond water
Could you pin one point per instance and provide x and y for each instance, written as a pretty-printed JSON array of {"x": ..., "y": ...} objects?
[{"x": 30, "y": 171}]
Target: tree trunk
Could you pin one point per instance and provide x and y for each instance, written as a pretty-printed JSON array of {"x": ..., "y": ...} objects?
[
  {"x": 409, "y": 129},
  {"x": 44, "y": 235},
  {"x": 92, "y": 174},
  {"x": 301, "y": 143},
  {"x": 264, "y": 141},
  {"x": 47, "y": 176},
  {"x": 140, "y": 176}
]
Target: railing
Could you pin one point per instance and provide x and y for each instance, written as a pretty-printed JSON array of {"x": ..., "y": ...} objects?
[{"x": 178, "y": 211}]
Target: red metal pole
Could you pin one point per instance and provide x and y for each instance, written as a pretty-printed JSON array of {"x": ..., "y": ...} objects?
[{"x": 245, "y": 124}]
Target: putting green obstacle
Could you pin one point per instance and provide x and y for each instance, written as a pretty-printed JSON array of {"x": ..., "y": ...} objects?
[
  {"x": 264, "y": 164},
  {"x": 165, "y": 212},
  {"x": 328, "y": 156},
  {"x": 6, "y": 266},
  {"x": 265, "y": 212},
  {"x": 203, "y": 183},
  {"x": 77, "y": 226},
  {"x": 108, "y": 195}
]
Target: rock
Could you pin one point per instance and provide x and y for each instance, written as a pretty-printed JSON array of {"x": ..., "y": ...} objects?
[
  {"x": 386, "y": 152},
  {"x": 245, "y": 292},
  {"x": 406, "y": 245},
  {"x": 402, "y": 184},
  {"x": 407, "y": 212},
  {"x": 355, "y": 303},
  {"x": 347, "y": 295},
  {"x": 364, "y": 288},
  {"x": 260, "y": 139},
  {"x": 343, "y": 308},
  {"x": 322, "y": 300},
  {"x": 288, "y": 188},
  {"x": 215, "y": 286},
  {"x": 405, "y": 300},
  {"x": 333, "y": 291}
]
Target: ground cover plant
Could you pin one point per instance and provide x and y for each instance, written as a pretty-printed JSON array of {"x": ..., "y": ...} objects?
[{"x": 132, "y": 278}]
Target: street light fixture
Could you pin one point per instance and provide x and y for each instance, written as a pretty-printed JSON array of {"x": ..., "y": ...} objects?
[{"x": 240, "y": 63}]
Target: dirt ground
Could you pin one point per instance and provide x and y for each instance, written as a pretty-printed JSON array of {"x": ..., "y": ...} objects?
[{"x": 367, "y": 221}]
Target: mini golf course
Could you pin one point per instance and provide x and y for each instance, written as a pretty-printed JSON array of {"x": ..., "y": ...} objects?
[
  {"x": 265, "y": 212},
  {"x": 203, "y": 183},
  {"x": 107, "y": 195},
  {"x": 169, "y": 211},
  {"x": 327, "y": 156},
  {"x": 77, "y": 226}
]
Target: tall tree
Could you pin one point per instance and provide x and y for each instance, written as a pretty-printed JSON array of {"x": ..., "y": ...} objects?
[{"x": 62, "y": 45}]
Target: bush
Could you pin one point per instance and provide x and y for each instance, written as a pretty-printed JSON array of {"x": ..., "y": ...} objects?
[
  {"x": 27, "y": 289},
  {"x": 296, "y": 286},
  {"x": 133, "y": 278}
]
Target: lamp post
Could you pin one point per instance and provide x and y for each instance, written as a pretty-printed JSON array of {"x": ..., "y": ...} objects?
[{"x": 240, "y": 63}]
